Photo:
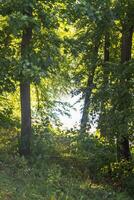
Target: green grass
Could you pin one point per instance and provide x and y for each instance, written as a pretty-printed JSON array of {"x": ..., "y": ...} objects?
[
  {"x": 50, "y": 180},
  {"x": 58, "y": 170}
]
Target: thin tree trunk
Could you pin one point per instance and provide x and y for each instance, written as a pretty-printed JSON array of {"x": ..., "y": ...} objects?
[
  {"x": 84, "y": 119},
  {"x": 25, "y": 139},
  {"x": 88, "y": 92},
  {"x": 126, "y": 46},
  {"x": 123, "y": 150},
  {"x": 105, "y": 77}
]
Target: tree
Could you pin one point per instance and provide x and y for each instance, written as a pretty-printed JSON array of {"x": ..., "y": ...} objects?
[
  {"x": 123, "y": 149},
  {"x": 25, "y": 92},
  {"x": 89, "y": 87},
  {"x": 106, "y": 86},
  {"x": 34, "y": 51},
  {"x": 91, "y": 25},
  {"x": 115, "y": 116}
]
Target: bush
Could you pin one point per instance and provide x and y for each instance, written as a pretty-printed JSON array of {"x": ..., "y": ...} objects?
[
  {"x": 122, "y": 175},
  {"x": 95, "y": 153},
  {"x": 129, "y": 184}
]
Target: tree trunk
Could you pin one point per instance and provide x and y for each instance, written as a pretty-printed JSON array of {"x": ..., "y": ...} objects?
[
  {"x": 126, "y": 46},
  {"x": 123, "y": 150},
  {"x": 25, "y": 139},
  {"x": 105, "y": 79},
  {"x": 84, "y": 119},
  {"x": 88, "y": 92},
  {"x": 25, "y": 118},
  {"x": 106, "y": 48}
]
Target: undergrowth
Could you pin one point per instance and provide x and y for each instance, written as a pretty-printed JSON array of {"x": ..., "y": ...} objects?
[{"x": 64, "y": 166}]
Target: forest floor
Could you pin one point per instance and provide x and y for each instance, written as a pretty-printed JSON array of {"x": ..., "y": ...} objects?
[
  {"x": 50, "y": 181},
  {"x": 62, "y": 175}
]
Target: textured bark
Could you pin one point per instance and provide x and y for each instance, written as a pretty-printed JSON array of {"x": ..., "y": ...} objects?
[
  {"x": 25, "y": 118},
  {"x": 88, "y": 92},
  {"x": 126, "y": 44},
  {"x": 123, "y": 150},
  {"x": 25, "y": 139}
]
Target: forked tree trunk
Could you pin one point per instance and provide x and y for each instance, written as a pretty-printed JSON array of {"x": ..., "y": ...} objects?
[
  {"x": 123, "y": 150},
  {"x": 25, "y": 139}
]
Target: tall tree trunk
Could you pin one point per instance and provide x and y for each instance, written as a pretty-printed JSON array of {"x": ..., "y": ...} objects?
[
  {"x": 123, "y": 150},
  {"x": 84, "y": 119},
  {"x": 25, "y": 118},
  {"x": 105, "y": 79},
  {"x": 25, "y": 139},
  {"x": 88, "y": 92}
]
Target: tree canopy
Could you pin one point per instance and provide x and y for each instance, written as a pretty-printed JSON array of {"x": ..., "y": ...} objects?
[{"x": 50, "y": 49}]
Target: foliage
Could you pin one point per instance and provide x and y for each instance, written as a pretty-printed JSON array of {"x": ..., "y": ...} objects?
[
  {"x": 66, "y": 54},
  {"x": 122, "y": 174},
  {"x": 49, "y": 179}
]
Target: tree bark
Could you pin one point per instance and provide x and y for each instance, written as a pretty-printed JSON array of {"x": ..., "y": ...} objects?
[
  {"x": 123, "y": 149},
  {"x": 88, "y": 92},
  {"x": 84, "y": 119},
  {"x": 25, "y": 118},
  {"x": 105, "y": 78},
  {"x": 25, "y": 139}
]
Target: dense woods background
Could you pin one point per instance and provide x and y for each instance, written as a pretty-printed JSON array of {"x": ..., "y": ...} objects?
[{"x": 50, "y": 49}]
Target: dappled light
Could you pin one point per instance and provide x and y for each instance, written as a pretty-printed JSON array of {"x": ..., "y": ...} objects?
[{"x": 66, "y": 100}]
